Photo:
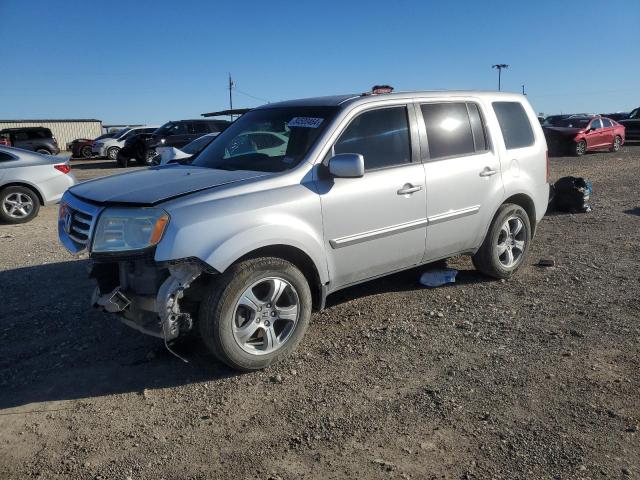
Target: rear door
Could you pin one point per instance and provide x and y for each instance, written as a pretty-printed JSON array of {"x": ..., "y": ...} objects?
[
  {"x": 462, "y": 175},
  {"x": 21, "y": 139},
  {"x": 608, "y": 133}
]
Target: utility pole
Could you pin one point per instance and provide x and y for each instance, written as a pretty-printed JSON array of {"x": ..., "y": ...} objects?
[
  {"x": 230, "y": 96},
  {"x": 523, "y": 90},
  {"x": 500, "y": 66}
]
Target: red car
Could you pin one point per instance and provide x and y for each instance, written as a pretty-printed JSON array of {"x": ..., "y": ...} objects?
[{"x": 579, "y": 135}]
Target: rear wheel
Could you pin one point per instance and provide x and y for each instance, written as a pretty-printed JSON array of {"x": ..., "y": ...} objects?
[
  {"x": 255, "y": 313},
  {"x": 43, "y": 151},
  {"x": 617, "y": 143},
  {"x": 507, "y": 242},
  {"x": 112, "y": 153},
  {"x": 18, "y": 204},
  {"x": 581, "y": 148}
]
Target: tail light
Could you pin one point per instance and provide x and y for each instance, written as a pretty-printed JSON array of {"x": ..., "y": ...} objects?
[
  {"x": 548, "y": 166},
  {"x": 62, "y": 167}
]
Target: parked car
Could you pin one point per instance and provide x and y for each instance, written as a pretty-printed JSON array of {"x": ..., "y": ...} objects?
[
  {"x": 29, "y": 180},
  {"x": 36, "y": 139},
  {"x": 82, "y": 147},
  {"x": 167, "y": 155},
  {"x": 109, "y": 147},
  {"x": 632, "y": 125},
  {"x": 180, "y": 132},
  {"x": 579, "y": 135},
  {"x": 242, "y": 246},
  {"x": 616, "y": 116},
  {"x": 134, "y": 149}
]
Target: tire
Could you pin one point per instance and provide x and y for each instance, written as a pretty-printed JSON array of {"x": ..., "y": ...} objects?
[
  {"x": 43, "y": 151},
  {"x": 489, "y": 259},
  {"x": 227, "y": 317},
  {"x": 148, "y": 158},
  {"x": 25, "y": 198},
  {"x": 580, "y": 148},
  {"x": 617, "y": 144},
  {"x": 112, "y": 153},
  {"x": 85, "y": 152}
]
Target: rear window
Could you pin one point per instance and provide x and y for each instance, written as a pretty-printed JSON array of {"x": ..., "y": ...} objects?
[
  {"x": 606, "y": 122},
  {"x": 514, "y": 123}
]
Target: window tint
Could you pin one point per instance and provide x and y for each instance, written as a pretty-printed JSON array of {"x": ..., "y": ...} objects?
[
  {"x": 448, "y": 129},
  {"x": 606, "y": 123},
  {"x": 477, "y": 127},
  {"x": 597, "y": 123},
  {"x": 19, "y": 136},
  {"x": 200, "y": 127},
  {"x": 514, "y": 124},
  {"x": 5, "y": 157},
  {"x": 35, "y": 134},
  {"x": 381, "y": 136}
]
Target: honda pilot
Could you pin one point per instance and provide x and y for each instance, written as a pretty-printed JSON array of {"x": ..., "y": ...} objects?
[{"x": 241, "y": 242}]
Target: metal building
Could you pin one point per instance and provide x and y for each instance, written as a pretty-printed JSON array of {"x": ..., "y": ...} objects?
[{"x": 64, "y": 130}]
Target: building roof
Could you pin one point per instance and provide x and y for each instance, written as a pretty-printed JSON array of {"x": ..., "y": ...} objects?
[{"x": 58, "y": 120}]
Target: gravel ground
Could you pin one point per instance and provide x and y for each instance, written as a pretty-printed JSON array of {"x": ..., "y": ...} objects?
[{"x": 536, "y": 377}]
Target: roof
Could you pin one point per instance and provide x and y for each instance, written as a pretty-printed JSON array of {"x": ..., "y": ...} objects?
[
  {"x": 343, "y": 100},
  {"x": 235, "y": 111},
  {"x": 59, "y": 120}
]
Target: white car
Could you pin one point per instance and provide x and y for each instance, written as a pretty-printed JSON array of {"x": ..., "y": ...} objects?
[
  {"x": 29, "y": 180},
  {"x": 109, "y": 147}
]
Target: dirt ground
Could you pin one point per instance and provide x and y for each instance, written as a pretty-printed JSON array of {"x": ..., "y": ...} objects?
[{"x": 537, "y": 377}]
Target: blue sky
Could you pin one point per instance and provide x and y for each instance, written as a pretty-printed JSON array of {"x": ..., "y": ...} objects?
[{"x": 152, "y": 61}]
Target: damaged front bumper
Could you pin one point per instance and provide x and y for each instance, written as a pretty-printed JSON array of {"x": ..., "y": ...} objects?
[{"x": 147, "y": 296}]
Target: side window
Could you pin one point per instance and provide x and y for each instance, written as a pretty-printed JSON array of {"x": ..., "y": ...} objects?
[
  {"x": 264, "y": 140},
  {"x": 595, "y": 124},
  {"x": 514, "y": 124},
  {"x": 381, "y": 136},
  {"x": 180, "y": 129},
  {"x": 4, "y": 157},
  {"x": 448, "y": 129},
  {"x": 606, "y": 123},
  {"x": 200, "y": 127},
  {"x": 21, "y": 136}
]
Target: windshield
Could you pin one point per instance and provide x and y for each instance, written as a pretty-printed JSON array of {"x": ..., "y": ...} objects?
[
  {"x": 570, "y": 122},
  {"x": 168, "y": 129},
  {"x": 198, "y": 144},
  {"x": 267, "y": 140}
]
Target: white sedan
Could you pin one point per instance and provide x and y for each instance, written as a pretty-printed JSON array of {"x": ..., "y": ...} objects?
[{"x": 29, "y": 180}]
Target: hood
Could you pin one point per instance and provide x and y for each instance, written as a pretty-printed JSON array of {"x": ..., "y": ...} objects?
[
  {"x": 157, "y": 184},
  {"x": 565, "y": 131}
]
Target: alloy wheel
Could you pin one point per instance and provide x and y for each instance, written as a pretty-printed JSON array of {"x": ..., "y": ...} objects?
[
  {"x": 511, "y": 242},
  {"x": 17, "y": 205},
  {"x": 581, "y": 147},
  {"x": 266, "y": 315}
]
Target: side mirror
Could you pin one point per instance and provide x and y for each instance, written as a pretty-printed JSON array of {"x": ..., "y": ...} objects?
[{"x": 347, "y": 165}]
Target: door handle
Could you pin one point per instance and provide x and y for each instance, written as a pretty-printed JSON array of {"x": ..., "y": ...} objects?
[
  {"x": 487, "y": 172},
  {"x": 408, "y": 189}
]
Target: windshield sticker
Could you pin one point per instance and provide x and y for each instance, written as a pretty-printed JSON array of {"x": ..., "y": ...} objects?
[{"x": 305, "y": 122}]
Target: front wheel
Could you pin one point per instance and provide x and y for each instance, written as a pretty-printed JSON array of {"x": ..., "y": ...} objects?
[
  {"x": 112, "y": 153},
  {"x": 255, "y": 313},
  {"x": 507, "y": 242},
  {"x": 617, "y": 143},
  {"x": 581, "y": 148},
  {"x": 85, "y": 152}
]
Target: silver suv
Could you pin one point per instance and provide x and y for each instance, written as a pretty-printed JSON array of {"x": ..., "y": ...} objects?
[{"x": 299, "y": 199}]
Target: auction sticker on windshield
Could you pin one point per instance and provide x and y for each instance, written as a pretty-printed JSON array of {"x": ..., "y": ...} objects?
[{"x": 305, "y": 122}]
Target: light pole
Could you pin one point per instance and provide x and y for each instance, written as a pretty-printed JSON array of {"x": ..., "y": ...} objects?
[{"x": 500, "y": 66}]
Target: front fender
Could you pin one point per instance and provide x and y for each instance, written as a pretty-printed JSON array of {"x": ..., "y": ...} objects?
[{"x": 293, "y": 233}]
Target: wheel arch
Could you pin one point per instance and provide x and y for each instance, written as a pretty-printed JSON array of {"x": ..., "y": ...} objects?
[
  {"x": 526, "y": 202},
  {"x": 25, "y": 185},
  {"x": 301, "y": 260}
]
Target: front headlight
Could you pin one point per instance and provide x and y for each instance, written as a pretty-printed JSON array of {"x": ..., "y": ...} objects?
[{"x": 125, "y": 229}]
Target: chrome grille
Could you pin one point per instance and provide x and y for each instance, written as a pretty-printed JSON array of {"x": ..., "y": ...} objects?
[{"x": 76, "y": 223}]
